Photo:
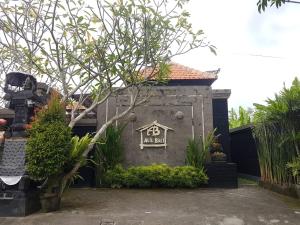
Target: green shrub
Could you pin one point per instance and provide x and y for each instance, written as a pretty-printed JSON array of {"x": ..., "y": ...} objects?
[
  {"x": 115, "y": 177},
  {"x": 187, "y": 176},
  {"x": 54, "y": 111},
  {"x": 277, "y": 134},
  {"x": 47, "y": 150},
  {"x": 48, "y": 145},
  {"x": 156, "y": 175}
]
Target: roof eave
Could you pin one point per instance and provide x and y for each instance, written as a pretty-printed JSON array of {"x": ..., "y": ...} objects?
[{"x": 191, "y": 82}]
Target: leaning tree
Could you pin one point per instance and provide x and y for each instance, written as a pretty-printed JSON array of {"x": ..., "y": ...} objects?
[{"x": 95, "y": 49}]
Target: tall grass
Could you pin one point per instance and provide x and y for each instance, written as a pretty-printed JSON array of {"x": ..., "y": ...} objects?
[
  {"x": 108, "y": 152},
  {"x": 197, "y": 150},
  {"x": 277, "y": 127}
]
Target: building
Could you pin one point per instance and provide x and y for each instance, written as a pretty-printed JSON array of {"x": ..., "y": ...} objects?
[
  {"x": 185, "y": 107},
  {"x": 158, "y": 131}
]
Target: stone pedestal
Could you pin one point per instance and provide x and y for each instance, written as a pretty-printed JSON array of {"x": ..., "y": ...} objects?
[
  {"x": 18, "y": 203},
  {"x": 21, "y": 198},
  {"x": 222, "y": 174}
]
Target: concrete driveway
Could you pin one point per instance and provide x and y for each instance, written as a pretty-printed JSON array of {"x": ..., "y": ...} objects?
[{"x": 247, "y": 205}]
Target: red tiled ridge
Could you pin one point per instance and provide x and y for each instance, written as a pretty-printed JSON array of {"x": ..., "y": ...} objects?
[{"x": 180, "y": 72}]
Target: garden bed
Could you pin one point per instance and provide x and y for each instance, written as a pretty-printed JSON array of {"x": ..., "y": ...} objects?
[{"x": 284, "y": 190}]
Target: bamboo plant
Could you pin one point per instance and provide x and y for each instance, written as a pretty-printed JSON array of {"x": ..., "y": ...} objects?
[{"x": 277, "y": 132}]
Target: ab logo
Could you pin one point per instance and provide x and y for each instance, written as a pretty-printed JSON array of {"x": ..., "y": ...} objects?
[{"x": 153, "y": 131}]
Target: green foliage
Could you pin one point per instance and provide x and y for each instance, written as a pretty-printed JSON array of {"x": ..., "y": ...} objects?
[
  {"x": 209, "y": 139},
  {"x": 54, "y": 111},
  {"x": 78, "y": 146},
  {"x": 263, "y": 4},
  {"x": 243, "y": 117},
  {"x": 156, "y": 175},
  {"x": 47, "y": 150},
  {"x": 195, "y": 156},
  {"x": 108, "y": 152},
  {"x": 277, "y": 131},
  {"x": 197, "y": 150},
  {"x": 284, "y": 108},
  {"x": 116, "y": 39},
  {"x": 48, "y": 145},
  {"x": 294, "y": 166}
]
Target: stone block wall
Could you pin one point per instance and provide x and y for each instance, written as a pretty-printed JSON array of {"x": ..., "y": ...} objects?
[{"x": 166, "y": 105}]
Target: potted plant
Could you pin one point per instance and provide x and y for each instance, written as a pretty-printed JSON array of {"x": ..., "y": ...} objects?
[{"x": 47, "y": 152}]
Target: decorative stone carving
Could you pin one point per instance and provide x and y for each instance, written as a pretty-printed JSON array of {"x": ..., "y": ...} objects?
[
  {"x": 132, "y": 117},
  {"x": 179, "y": 115},
  {"x": 20, "y": 92}
]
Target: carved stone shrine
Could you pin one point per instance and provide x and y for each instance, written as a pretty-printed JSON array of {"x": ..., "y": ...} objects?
[{"x": 18, "y": 194}]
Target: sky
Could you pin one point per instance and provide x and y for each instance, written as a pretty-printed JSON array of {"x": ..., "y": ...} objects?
[{"x": 257, "y": 53}]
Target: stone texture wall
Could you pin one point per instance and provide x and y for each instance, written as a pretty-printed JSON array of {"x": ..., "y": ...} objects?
[{"x": 195, "y": 102}]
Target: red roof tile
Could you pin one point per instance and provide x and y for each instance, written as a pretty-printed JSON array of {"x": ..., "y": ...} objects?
[{"x": 180, "y": 72}]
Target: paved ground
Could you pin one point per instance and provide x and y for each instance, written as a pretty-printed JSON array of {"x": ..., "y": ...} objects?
[{"x": 248, "y": 205}]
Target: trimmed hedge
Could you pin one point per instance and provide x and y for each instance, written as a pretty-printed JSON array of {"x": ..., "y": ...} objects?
[
  {"x": 47, "y": 150},
  {"x": 156, "y": 175}
]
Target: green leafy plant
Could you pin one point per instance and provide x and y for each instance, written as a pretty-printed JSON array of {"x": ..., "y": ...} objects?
[
  {"x": 78, "y": 145},
  {"x": 197, "y": 150},
  {"x": 108, "y": 152},
  {"x": 277, "y": 128},
  {"x": 156, "y": 175},
  {"x": 195, "y": 154},
  {"x": 47, "y": 150},
  {"x": 243, "y": 117},
  {"x": 294, "y": 166},
  {"x": 49, "y": 143},
  {"x": 263, "y": 4}
]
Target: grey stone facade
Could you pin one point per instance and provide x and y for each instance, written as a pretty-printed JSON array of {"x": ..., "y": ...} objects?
[{"x": 187, "y": 110}]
